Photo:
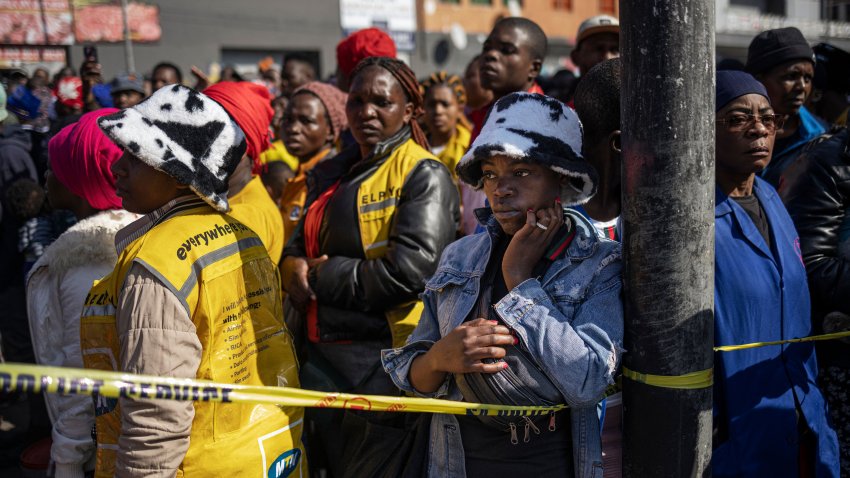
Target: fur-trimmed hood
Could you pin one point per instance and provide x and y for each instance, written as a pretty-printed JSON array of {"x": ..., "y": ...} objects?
[{"x": 90, "y": 241}]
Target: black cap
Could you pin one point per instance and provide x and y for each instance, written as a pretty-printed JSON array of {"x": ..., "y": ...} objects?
[
  {"x": 833, "y": 66},
  {"x": 774, "y": 47}
]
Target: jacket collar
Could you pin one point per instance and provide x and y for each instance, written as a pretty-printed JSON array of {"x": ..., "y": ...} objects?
[{"x": 725, "y": 205}]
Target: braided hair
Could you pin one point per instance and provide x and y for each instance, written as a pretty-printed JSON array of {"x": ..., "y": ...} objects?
[
  {"x": 407, "y": 79},
  {"x": 454, "y": 83}
]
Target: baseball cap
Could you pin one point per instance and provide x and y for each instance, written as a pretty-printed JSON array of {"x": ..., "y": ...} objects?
[
  {"x": 127, "y": 82},
  {"x": 597, "y": 24}
]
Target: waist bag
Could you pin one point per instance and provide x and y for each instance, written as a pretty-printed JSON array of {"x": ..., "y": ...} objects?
[{"x": 523, "y": 383}]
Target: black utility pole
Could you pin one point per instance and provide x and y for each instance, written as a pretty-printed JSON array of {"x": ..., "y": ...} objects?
[{"x": 667, "y": 105}]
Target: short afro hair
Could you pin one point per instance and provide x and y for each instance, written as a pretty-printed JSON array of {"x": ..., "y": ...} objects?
[
  {"x": 172, "y": 66},
  {"x": 537, "y": 42},
  {"x": 597, "y": 100}
]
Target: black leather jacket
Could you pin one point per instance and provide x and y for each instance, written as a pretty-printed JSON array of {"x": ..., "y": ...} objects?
[
  {"x": 817, "y": 195},
  {"x": 353, "y": 292}
]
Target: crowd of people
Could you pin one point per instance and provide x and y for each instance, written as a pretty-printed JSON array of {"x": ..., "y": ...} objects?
[{"x": 394, "y": 232}]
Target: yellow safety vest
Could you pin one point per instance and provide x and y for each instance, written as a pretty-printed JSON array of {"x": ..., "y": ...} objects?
[
  {"x": 455, "y": 148},
  {"x": 221, "y": 272},
  {"x": 378, "y": 197}
]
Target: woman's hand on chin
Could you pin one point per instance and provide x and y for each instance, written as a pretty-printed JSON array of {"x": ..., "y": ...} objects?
[{"x": 529, "y": 243}]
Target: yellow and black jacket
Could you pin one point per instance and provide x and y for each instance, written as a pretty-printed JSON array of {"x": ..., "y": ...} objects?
[{"x": 383, "y": 230}]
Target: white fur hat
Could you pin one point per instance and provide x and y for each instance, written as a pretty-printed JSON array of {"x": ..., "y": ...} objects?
[
  {"x": 536, "y": 128},
  {"x": 184, "y": 134}
]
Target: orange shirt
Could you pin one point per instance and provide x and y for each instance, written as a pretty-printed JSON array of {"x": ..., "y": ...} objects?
[{"x": 295, "y": 194}]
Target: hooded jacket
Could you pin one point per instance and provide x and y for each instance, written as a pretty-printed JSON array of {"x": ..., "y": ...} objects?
[{"x": 56, "y": 289}]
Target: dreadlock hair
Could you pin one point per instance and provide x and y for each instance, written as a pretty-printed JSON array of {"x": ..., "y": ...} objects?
[
  {"x": 454, "y": 83},
  {"x": 407, "y": 79},
  {"x": 597, "y": 100}
]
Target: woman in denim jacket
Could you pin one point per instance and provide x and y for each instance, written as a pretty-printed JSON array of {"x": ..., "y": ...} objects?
[{"x": 552, "y": 291}]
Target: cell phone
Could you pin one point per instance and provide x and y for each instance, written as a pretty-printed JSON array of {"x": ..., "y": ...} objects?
[{"x": 90, "y": 53}]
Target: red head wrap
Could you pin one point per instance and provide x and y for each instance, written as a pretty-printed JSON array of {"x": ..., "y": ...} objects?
[
  {"x": 249, "y": 104},
  {"x": 363, "y": 44},
  {"x": 81, "y": 157}
]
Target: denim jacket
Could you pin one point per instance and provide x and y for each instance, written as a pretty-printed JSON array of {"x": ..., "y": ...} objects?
[{"x": 570, "y": 319}]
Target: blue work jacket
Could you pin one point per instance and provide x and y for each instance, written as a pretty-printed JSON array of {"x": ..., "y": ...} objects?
[
  {"x": 570, "y": 319},
  {"x": 760, "y": 294}
]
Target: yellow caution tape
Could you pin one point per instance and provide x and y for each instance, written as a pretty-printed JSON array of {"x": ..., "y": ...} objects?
[
  {"x": 812, "y": 338},
  {"x": 688, "y": 381},
  {"x": 37, "y": 378},
  {"x": 705, "y": 378}
]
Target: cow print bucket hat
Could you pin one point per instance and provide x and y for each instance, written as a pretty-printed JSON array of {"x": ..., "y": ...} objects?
[
  {"x": 184, "y": 134},
  {"x": 534, "y": 128}
]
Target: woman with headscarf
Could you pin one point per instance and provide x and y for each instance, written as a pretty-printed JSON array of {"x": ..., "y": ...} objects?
[
  {"x": 314, "y": 119},
  {"x": 770, "y": 418},
  {"x": 249, "y": 105},
  {"x": 79, "y": 180},
  {"x": 378, "y": 217}
]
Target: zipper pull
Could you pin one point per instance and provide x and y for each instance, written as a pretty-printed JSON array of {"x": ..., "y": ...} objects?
[
  {"x": 514, "y": 439},
  {"x": 526, "y": 438},
  {"x": 530, "y": 423},
  {"x": 551, "y": 421}
]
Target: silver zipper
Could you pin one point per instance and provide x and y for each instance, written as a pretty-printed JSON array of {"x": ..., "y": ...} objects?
[
  {"x": 551, "y": 421},
  {"x": 514, "y": 439},
  {"x": 529, "y": 425}
]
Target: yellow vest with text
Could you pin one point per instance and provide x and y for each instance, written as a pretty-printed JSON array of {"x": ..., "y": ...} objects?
[
  {"x": 221, "y": 272},
  {"x": 378, "y": 198}
]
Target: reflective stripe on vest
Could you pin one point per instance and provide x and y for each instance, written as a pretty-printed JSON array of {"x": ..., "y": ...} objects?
[
  {"x": 378, "y": 197},
  {"x": 221, "y": 273}
]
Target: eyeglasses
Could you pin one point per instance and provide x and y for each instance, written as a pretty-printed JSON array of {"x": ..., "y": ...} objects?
[{"x": 739, "y": 122}]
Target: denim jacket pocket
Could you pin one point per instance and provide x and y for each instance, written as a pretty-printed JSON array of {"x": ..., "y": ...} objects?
[{"x": 456, "y": 294}]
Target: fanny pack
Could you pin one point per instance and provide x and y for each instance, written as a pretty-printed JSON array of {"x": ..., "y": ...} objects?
[{"x": 523, "y": 383}]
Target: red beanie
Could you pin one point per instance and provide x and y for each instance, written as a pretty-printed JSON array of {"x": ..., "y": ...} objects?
[
  {"x": 249, "y": 104},
  {"x": 363, "y": 44},
  {"x": 81, "y": 158}
]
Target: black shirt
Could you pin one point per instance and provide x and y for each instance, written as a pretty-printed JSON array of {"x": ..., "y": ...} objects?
[{"x": 753, "y": 207}]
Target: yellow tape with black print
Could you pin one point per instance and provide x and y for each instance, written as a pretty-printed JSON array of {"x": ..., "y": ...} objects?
[{"x": 37, "y": 378}]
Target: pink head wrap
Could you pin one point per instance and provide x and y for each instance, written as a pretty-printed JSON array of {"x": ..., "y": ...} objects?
[{"x": 81, "y": 157}]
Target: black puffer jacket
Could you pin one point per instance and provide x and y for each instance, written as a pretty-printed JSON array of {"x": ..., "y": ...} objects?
[
  {"x": 353, "y": 292},
  {"x": 817, "y": 195}
]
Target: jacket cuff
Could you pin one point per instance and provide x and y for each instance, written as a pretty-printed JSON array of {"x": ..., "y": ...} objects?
[
  {"x": 64, "y": 470},
  {"x": 397, "y": 364},
  {"x": 522, "y": 298}
]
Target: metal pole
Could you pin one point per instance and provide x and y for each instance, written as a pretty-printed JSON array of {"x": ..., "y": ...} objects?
[
  {"x": 667, "y": 106},
  {"x": 128, "y": 42}
]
